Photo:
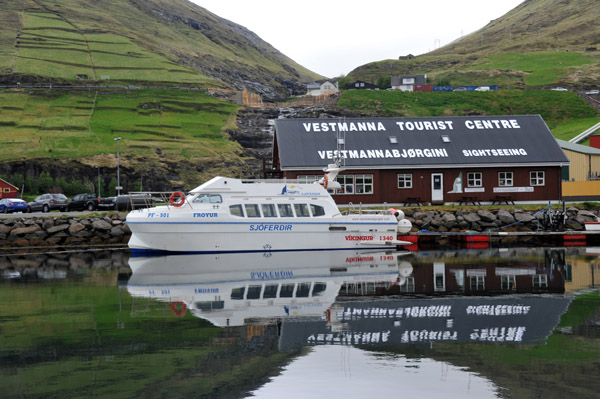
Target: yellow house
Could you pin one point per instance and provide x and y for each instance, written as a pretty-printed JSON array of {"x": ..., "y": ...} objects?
[{"x": 581, "y": 179}]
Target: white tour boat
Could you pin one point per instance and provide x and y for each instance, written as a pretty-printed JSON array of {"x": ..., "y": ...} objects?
[{"x": 233, "y": 215}]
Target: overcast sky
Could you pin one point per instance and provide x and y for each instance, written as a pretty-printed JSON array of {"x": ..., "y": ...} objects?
[{"x": 332, "y": 37}]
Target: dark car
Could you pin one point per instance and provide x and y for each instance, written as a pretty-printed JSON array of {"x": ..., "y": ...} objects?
[
  {"x": 48, "y": 202},
  {"x": 82, "y": 202},
  {"x": 10, "y": 205},
  {"x": 107, "y": 203}
]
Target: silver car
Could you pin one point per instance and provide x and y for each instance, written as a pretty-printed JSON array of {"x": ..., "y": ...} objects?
[{"x": 48, "y": 202}]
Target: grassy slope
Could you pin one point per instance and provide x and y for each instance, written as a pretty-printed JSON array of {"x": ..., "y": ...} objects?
[
  {"x": 157, "y": 126},
  {"x": 538, "y": 44},
  {"x": 563, "y": 111},
  {"x": 154, "y": 40}
]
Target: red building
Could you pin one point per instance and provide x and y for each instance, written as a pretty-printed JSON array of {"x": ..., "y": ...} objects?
[
  {"x": 479, "y": 159},
  {"x": 7, "y": 190}
]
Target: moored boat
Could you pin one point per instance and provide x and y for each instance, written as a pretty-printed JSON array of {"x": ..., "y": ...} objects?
[{"x": 233, "y": 215}]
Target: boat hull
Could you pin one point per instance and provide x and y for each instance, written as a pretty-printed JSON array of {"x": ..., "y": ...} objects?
[{"x": 225, "y": 236}]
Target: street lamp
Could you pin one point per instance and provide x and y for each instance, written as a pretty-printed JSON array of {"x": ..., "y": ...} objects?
[{"x": 118, "y": 174}]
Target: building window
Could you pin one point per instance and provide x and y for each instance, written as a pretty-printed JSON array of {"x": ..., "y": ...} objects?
[
  {"x": 347, "y": 183},
  {"x": 6, "y": 190},
  {"x": 505, "y": 179},
  {"x": 508, "y": 283},
  {"x": 536, "y": 178},
  {"x": 405, "y": 180},
  {"x": 408, "y": 81},
  {"x": 408, "y": 286},
  {"x": 474, "y": 179},
  {"x": 364, "y": 184},
  {"x": 308, "y": 179},
  {"x": 477, "y": 283},
  {"x": 540, "y": 281}
]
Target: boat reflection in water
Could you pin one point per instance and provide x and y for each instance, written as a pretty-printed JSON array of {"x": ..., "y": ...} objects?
[
  {"x": 365, "y": 298},
  {"x": 230, "y": 289}
]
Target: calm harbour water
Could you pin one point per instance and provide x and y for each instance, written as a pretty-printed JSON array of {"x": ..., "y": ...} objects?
[{"x": 487, "y": 323}]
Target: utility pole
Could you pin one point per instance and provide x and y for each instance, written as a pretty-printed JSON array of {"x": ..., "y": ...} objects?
[{"x": 118, "y": 173}]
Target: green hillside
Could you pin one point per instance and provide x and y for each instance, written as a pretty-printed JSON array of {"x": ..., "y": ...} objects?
[
  {"x": 182, "y": 130},
  {"x": 539, "y": 44},
  {"x": 565, "y": 113},
  {"x": 167, "y": 41}
]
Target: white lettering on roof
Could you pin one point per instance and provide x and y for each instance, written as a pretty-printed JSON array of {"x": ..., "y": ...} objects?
[
  {"x": 343, "y": 126},
  {"x": 377, "y": 153},
  {"x": 492, "y": 124}
]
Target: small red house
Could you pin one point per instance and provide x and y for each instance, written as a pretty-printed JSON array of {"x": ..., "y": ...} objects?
[{"x": 7, "y": 190}]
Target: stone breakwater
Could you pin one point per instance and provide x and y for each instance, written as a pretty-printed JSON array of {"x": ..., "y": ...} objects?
[
  {"x": 67, "y": 231},
  {"x": 111, "y": 229},
  {"x": 490, "y": 220}
]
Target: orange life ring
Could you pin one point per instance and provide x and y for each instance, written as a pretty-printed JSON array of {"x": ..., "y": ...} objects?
[
  {"x": 178, "y": 308},
  {"x": 177, "y": 194},
  {"x": 325, "y": 182}
]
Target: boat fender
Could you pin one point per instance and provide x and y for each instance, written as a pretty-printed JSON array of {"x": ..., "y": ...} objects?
[
  {"x": 173, "y": 199},
  {"x": 325, "y": 181}
]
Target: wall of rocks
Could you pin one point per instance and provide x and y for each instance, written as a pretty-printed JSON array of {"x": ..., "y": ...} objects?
[
  {"x": 56, "y": 231},
  {"x": 491, "y": 220},
  {"x": 111, "y": 230}
]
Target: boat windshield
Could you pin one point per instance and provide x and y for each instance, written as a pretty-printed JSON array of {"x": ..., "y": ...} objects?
[{"x": 208, "y": 199}]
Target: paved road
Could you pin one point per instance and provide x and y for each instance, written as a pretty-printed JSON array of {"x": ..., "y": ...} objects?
[{"x": 42, "y": 214}]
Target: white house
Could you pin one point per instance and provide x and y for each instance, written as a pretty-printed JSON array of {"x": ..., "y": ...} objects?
[{"x": 318, "y": 89}]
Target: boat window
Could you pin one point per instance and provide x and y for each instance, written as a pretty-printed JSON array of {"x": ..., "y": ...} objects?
[
  {"x": 236, "y": 210},
  {"x": 269, "y": 210},
  {"x": 303, "y": 290},
  {"x": 301, "y": 210},
  {"x": 319, "y": 289},
  {"x": 254, "y": 292},
  {"x": 285, "y": 210},
  {"x": 252, "y": 211},
  {"x": 209, "y": 305},
  {"x": 287, "y": 291},
  {"x": 270, "y": 291},
  {"x": 208, "y": 199},
  {"x": 238, "y": 293},
  {"x": 317, "y": 210}
]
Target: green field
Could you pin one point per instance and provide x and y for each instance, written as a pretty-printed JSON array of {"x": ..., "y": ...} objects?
[
  {"x": 558, "y": 109},
  {"x": 52, "y": 47},
  {"x": 75, "y": 125}
]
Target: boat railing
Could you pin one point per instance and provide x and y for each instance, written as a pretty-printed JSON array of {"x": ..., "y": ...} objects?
[
  {"x": 278, "y": 181},
  {"x": 360, "y": 209},
  {"x": 148, "y": 199}
]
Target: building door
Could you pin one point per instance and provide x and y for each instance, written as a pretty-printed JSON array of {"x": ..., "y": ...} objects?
[{"x": 437, "y": 188}]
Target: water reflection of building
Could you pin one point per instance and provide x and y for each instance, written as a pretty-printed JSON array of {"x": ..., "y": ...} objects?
[
  {"x": 583, "y": 271},
  {"x": 487, "y": 276}
]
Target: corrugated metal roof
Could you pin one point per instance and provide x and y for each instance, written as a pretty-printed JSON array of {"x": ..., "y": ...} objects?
[
  {"x": 420, "y": 142},
  {"x": 583, "y": 149}
]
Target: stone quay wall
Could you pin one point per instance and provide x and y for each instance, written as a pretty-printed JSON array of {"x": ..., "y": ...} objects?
[
  {"x": 491, "y": 220},
  {"x": 111, "y": 230},
  {"x": 64, "y": 231}
]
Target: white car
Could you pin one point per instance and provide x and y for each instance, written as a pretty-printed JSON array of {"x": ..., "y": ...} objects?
[
  {"x": 593, "y": 92},
  {"x": 560, "y": 89}
]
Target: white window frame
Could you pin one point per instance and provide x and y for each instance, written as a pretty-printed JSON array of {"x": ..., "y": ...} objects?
[
  {"x": 474, "y": 179},
  {"x": 345, "y": 181},
  {"x": 505, "y": 179},
  {"x": 537, "y": 178},
  {"x": 367, "y": 187},
  {"x": 406, "y": 179}
]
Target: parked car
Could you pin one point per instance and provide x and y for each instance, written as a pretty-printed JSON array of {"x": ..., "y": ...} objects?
[
  {"x": 10, "y": 205},
  {"x": 80, "y": 202},
  {"x": 128, "y": 202},
  {"x": 559, "y": 89},
  {"x": 107, "y": 203},
  {"x": 48, "y": 202},
  {"x": 593, "y": 92}
]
